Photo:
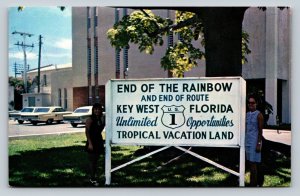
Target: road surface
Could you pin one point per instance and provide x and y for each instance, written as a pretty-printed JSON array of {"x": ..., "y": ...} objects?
[{"x": 17, "y": 130}]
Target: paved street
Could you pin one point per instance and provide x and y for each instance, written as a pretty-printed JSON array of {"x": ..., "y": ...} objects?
[
  {"x": 280, "y": 136},
  {"x": 26, "y": 129},
  {"x": 17, "y": 130}
]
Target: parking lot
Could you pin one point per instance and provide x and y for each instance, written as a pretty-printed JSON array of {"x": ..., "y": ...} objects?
[{"x": 17, "y": 130}]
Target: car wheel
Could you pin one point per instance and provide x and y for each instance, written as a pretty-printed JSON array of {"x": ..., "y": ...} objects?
[
  {"x": 20, "y": 121},
  {"x": 58, "y": 121},
  {"x": 49, "y": 121},
  {"x": 34, "y": 122},
  {"x": 74, "y": 124}
]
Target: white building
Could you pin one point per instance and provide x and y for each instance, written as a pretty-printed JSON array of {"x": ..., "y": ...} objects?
[
  {"x": 269, "y": 63},
  {"x": 55, "y": 87}
]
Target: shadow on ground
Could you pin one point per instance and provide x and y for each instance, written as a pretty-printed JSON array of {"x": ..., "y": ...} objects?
[{"x": 67, "y": 167}]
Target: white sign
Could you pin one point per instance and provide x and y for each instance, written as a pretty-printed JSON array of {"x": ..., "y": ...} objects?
[{"x": 181, "y": 112}]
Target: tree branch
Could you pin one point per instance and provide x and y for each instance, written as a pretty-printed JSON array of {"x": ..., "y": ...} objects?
[
  {"x": 185, "y": 23},
  {"x": 173, "y": 27}
]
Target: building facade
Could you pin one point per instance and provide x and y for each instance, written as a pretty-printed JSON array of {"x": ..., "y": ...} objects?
[
  {"x": 95, "y": 61},
  {"x": 268, "y": 66},
  {"x": 56, "y": 87}
]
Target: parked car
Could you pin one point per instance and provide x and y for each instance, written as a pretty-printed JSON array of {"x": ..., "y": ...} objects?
[
  {"x": 79, "y": 116},
  {"x": 45, "y": 114},
  {"x": 16, "y": 115}
]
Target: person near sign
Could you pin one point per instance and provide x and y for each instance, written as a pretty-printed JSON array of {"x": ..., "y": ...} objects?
[
  {"x": 253, "y": 143},
  {"x": 94, "y": 144}
]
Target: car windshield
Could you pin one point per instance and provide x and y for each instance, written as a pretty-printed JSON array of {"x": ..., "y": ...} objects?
[
  {"x": 27, "y": 110},
  {"x": 81, "y": 111},
  {"x": 42, "y": 110}
]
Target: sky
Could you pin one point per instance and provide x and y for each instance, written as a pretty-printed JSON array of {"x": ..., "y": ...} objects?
[{"x": 55, "y": 27}]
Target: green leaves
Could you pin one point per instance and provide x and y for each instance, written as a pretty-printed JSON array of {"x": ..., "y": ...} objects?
[
  {"x": 142, "y": 28},
  {"x": 245, "y": 48},
  {"x": 180, "y": 58},
  {"x": 183, "y": 56},
  {"x": 21, "y": 8},
  {"x": 147, "y": 30},
  {"x": 18, "y": 84}
]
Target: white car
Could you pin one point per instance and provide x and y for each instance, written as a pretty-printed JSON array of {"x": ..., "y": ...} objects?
[
  {"x": 45, "y": 114},
  {"x": 79, "y": 116},
  {"x": 16, "y": 115}
]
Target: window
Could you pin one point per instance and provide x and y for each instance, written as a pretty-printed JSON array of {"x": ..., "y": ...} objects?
[
  {"x": 81, "y": 111},
  {"x": 117, "y": 51},
  {"x": 96, "y": 57},
  {"x": 89, "y": 60},
  {"x": 95, "y": 17},
  {"x": 117, "y": 14},
  {"x": 58, "y": 110},
  {"x": 27, "y": 110},
  {"x": 125, "y": 12},
  {"x": 44, "y": 80},
  {"x": 125, "y": 52},
  {"x": 88, "y": 18},
  {"x": 31, "y": 101},
  {"x": 59, "y": 97},
  {"x": 66, "y": 98},
  {"x": 180, "y": 37},
  {"x": 39, "y": 110},
  {"x": 117, "y": 58},
  {"x": 36, "y": 80},
  {"x": 96, "y": 64},
  {"x": 125, "y": 61},
  {"x": 170, "y": 38}
]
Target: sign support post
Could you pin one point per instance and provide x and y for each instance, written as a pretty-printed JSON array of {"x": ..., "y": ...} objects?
[
  {"x": 108, "y": 132},
  {"x": 242, "y": 131},
  {"x": 242, "y": 167}
]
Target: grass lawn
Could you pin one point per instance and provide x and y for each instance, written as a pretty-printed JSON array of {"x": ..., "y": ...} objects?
[{"x": 60, "y": 161}]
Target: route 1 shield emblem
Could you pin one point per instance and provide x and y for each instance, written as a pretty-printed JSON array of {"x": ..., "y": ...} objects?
[{"x": 173, "y": 116}]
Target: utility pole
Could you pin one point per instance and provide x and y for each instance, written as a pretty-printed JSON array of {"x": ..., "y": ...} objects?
[
  {"x": 39, "y": 63},
  {"x": 24, "y": 46}
]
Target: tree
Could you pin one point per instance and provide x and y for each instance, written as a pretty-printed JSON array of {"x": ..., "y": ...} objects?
[
  {"x": 219, "y": 30},
  {"x": 223, "y": 36},
  {"x": 18, "y": 85}
]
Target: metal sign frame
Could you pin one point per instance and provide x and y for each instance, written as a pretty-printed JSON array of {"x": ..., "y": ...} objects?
[{"x": 241, "y": 145}]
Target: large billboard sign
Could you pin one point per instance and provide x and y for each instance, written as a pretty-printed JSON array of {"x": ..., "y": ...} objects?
[{"x": 181, "y": 112}]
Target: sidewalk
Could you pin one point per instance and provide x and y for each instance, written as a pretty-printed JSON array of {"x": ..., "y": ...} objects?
[{"x": 280, "y": 136}]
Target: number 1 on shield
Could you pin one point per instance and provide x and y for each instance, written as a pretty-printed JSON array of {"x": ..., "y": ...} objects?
[{"x": 173, "y": 119}]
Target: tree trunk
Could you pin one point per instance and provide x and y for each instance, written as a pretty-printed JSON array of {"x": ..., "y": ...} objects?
[{"x": 223, "y": 40}]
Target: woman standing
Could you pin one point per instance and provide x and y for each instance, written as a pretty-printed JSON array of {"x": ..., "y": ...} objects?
[
  {"x": 94, "y": 144},
  {"x": 253, "y": 144}
]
